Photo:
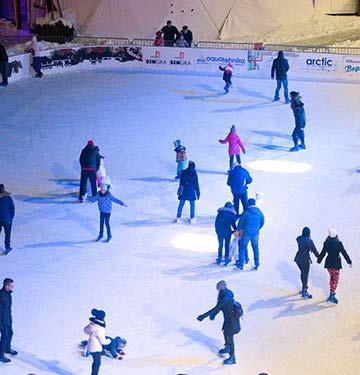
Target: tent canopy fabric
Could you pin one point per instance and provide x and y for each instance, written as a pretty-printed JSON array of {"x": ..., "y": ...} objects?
[{"x": 208, "y": 19}]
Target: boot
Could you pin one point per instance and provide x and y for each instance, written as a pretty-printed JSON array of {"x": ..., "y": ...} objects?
[
  {"x": 4, "y": 359},
  {"x": 226, "y": 261},
  {"x": 332, "y": 298},
  {"x": 218, "y": 261},
  {"x": 109, "y": 239},
  {"x": 230, "y": 361},
  {"x": 295, "y": 148},
  {"x": 225, "y": 350},
  {"x": 100, "y": 236},
  {"x": 305, "y": 294},
  {"x": 302, "y": 146},
  {"x": 12, "y": 352}
]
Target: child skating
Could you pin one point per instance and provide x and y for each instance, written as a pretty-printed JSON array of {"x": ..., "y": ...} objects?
[
  {"x": 105, "y": 199},
  {"x": 181, "y": 158},
  {"x": 298, "y": 109},
  {"x": 228, "y": 72},
  {"x": 236, "y": 145}
]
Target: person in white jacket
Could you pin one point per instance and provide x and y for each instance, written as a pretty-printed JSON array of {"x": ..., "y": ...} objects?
[
  {"x": 97, "y": 338},
  {"x": 36, "y": 64}
]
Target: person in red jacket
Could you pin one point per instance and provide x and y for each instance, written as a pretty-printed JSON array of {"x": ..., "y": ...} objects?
[
  {"x": 159, "y": 40},
  {"x": 235, "y": 145}
]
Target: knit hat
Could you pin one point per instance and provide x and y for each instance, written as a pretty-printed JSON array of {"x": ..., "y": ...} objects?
[
  {"x": 233, "y": 129},
  {"x": 91, "y": 143},
  {"x": 221, "y": 285},
  {"x": 229, "y": 205},
  {"x": 230, "y": 65},
  {"x": 98, "y": 317},
  {"x": 252, "y": 202},
  {"x": 294, "y": 93},
  {"x": 306, "y": 232},
  {"x": 332, "y": 233},
  {"x": 191, "y": 165}
]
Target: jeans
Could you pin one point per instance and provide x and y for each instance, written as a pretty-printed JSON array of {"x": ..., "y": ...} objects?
[
  {"x": 105, "y": 218},
  {"x": 221, "y": 239},
  {"x": 5, "y": 341},
  {"x": 36, "y": 64},
  {"x": 229, "y": 343},
  {"x": 4, "y": 70},
  {"x": 228, "y": 84},
  {"x": 297, "y": 134},
  {"x": 7, "y": 229},
  {"x": 304, "y": 270},
  {"x": 181, "y": 206},
  {"x": 85, "y": 175},
  {"x": 280, "y": 82},
  {"x": 96, "y": 363},
  {"x": 246, "y": 238},
  {"x": 231, "y": 160},
  {"x": 243, "y": 197}
]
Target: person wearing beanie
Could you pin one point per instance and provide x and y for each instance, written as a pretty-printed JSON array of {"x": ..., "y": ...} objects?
[
  {"x": 224, "y": 223},
  {"x": 303, "y": 259},
  {"x": 228, "y": 72},
  {"x": 232, "y": 312},
  {"x": 235, "y": 145},
  {"x": 7, "y": 213},
  {"x": 332, "y": 249},
  {"x": 97, "y": 338},
  {"x": 298, "y": 109},
  {"x": 238, "y": 180},
  {"x": 105, "y": 199},
  {"x": 249, "y": 225},
  {"x": 279, "y": 69},
  {"x": 90, "y": 164},
  {"x": 188, "y": 190}
]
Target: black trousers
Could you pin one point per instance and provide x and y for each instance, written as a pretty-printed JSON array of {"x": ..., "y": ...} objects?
[
  {"x": 229, "y": 343},
  {"x": 96, "y": 363},
  {"x": 4, "y": 70},
  {"x": 5, "y": 341},
  {"x": 297, "y": 134},
  {"x": 105, "y": 219},
  {"x": 7, "y": 229},
  {"x": 304, "y": 273},
  {"x": 85, "y": 175},
  {"x": 221, "y": 239},
  {"x": 244, "y": 201},
  {"x": 36, "y": 64}
]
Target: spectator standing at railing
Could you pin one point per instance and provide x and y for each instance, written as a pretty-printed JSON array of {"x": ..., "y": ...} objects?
[
  {"x": 36, "y": 64},
  {"x": 4, "y": 64},
  {"x": 181, "y": 42},
  {"x": 279, "y": 69},
  {"x": 188, "y": 35},
  {"x": 170, "y": 33},
  {"x": 159, "y": 40}
]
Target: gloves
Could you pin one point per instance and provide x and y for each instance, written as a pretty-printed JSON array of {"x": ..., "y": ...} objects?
[{"x": 200, "y": 318}]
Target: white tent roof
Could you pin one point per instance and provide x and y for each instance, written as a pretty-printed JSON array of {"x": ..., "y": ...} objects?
[{"x": 208, "y": 19}]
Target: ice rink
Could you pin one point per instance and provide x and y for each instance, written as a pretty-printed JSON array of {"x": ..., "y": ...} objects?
[{"x": 156, "y": 277}]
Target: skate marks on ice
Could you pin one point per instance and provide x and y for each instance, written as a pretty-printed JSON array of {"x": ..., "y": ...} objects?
[
  {"x": 154, "y": 179},
  {"x": 51, "y": 198},
  {"x": 65, "y": 244},
  {"x": 257, "y": 105}
]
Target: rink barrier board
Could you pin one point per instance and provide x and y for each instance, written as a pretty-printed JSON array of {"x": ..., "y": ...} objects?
[{"x": 247, "y": 63}]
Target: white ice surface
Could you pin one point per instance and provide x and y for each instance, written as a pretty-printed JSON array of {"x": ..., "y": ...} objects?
[{"x": 155, "y": 277}]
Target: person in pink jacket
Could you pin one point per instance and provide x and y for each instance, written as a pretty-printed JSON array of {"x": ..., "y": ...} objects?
[{"x": 235, "y": 144}]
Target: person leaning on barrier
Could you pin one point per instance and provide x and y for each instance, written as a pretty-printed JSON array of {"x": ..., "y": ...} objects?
[
  {"x": 4, "y": 65},
  {"x": 170, "y": 33},
  {"x": 187, "y": 34}
]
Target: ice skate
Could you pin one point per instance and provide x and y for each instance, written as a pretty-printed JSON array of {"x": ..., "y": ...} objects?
[
  {"x": 295, "y": 148},
  {"x": 230, "y": 361},
  {"x": 305, "y": 294},
  {"x": 226, "y": 261},
  {"x": 218, "y": 261},
  {"x": 193, "y": 221},
  {"x": 7, "y": 251},
  {"x": 225, "y": 350},
  {"x": 177, "y": 220},
  {"x": 332, "y": 298},
  {"x": 11, "y": 352},
  {"x": 100, "y": 236},
  {"x": 302, "y": 146},
  {"x": 4, "y": 359},
  {"x": 108, "y": 239}
]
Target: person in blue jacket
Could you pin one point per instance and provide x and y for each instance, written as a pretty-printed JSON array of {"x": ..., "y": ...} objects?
[
  {"x": 279, "y": 70},
  {"x": 250, "y": 223},
  {"x": 238, "y": 180},
  {"x": 7, "y": 213},
  {"x": 188, "y": 191},
  {"x": 224, "y": 223},
  {"x": 298, "y": 109}
]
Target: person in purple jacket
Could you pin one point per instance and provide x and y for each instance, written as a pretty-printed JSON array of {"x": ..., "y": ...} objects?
[{"x": 105, "y": 199}]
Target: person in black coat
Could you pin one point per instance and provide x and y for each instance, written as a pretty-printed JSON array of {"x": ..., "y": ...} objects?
[
  {"x": 224, "y": 223},
  {"x": 4, "y": 66},
  {"x": 333, "y": 247},
  {"x": 90, "y": 163},
  {"x": 279, "y": 69},
  {"x": 298, "y": 109},
  {"x": 188, "y": 191},
  {"x": 170, "y": 34},
  {"x": 303, "y": 259},
  {"x": 187, "y": 34},
  {"x": 238, "y": 180},
  {"x": 6, "y": 320},
  {"x": 231, "y": 326},
  {"x": 7, "y": 213}
]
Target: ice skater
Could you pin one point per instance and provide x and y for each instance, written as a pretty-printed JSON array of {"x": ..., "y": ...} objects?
[
  {"x": 7, "y": 213},
  {"x": 115, "y": 349},
  {"x": 228, "y": 72},
  {"x": 303, "y": 259},
  {"x": 232, "y": 312},
  {"x": 235, "y": 145},
  {"x": 105, "y": 199},
  {"x": 97, "y": 338},
  {"x": 224, "y": 223},
  {"x": 181, "y": 158},
  {"x": 279, "y": 69},
  {"x": 298, "y": 109},
  {"x": 249, "y": 225},
  {"x": 36, "y": 64},
  {"x": 4, "y": 66},
  {"x": 332, "y": 248},
  {"x": 188, "y": 190}
]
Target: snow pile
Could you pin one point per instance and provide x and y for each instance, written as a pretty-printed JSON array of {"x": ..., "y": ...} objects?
[
  {"x": 44, "y": 46},
  {"x": 68, "y": 19}
]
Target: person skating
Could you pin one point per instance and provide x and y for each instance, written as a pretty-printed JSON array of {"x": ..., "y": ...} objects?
[
  {"x": 249, "y": 225},
  {"x": 303, "y": 259},
  {"x": 228, "y": 72},
  {"x": 36, "y": 64},
  {"x": 105, "y": 199},
  {"x": 332, "y": 248},
  {"x": 238, "y": 180},
  {"x": 188, "y": 190},
  {"x": 115, "y": 349},
  {"x": 90, "y": 163},
  {"x": 235, "y": 145},
  {"x": 279, "y": 70},
  {"x": 6, "y": 331},
  {"x": 4, "y": 66},
  {"x": 224, "y": 223},
  {"x": 181, "y": 158},
  {"x": 7, "y": 213},
  {"x": 97, "y": 338},
  {"x": 298, "y": 109},
  {"x": 232, "y": 312}
]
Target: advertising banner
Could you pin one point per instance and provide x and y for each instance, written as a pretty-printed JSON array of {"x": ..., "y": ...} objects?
[{"x": 351, "y": 67}]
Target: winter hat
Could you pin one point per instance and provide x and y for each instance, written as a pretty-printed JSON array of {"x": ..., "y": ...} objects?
[
  {"x": 306, "y": 232},
  {"x": 294, "y": 93},
  {"x": 332, "y": 233},
  {"x": 233, "y": 129},
  {"x": 230, "y": 65},
  {"x": 229, "y": 205},
  {"x": 91, "y": 143},
  {"x": 98, "y": 317},
  {"x": 252, "y": 202},
  {"x": 221, "y": 285},
  {"x": 191, "y": 165}
]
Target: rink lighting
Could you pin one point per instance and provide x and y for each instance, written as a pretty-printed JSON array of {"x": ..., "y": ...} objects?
[
  {"x": 280, "y": 166},
  {"x": 202, "y": 243}
]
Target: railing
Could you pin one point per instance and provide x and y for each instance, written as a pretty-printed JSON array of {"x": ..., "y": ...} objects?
[
  {"x": 313, "y": 49},
  {"x": 225, "y": 45}
]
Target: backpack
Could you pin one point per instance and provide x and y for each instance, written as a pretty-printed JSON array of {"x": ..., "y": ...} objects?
[{"x": 238, "y": 310}]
